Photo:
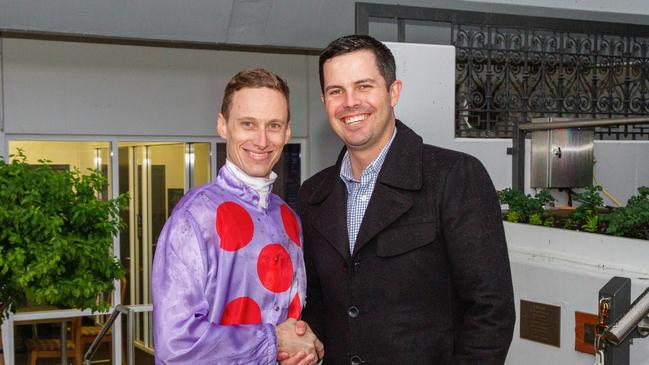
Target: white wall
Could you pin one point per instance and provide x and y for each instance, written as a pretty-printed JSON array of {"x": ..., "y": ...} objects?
[
  {"x": 324, "y": 145},
  {"x": 567, "y": 269},
  {"x": 3, "y": 153},
  {"x": 82, "y": 88}
]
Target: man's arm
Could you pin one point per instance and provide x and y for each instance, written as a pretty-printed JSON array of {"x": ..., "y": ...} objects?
[
  {"x": 314, "y": 311},
  {"x": 473, "y": 230},
  {"x": 183, "y": 331}
]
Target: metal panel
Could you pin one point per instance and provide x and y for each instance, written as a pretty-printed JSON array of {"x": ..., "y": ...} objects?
[
  {"x": 540, "y": 156},
  {"x": 562, "y": 158},
  {"x": 571, "y": 158}
]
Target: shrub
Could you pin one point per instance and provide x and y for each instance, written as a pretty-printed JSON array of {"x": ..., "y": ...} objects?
[
  {"x": 633, "y": 219},
  {"x": 586, "y": 216},
  {"x": 55, "y": 237},
  {"x": 525, "y": 208}
]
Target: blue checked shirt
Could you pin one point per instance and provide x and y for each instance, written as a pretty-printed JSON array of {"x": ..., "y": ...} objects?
[{"x": 360, "y": 192}]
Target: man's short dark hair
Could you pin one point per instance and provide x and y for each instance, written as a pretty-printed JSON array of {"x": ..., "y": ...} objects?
[
  {"x": 253, "y": 78},
  {"x": 351, "y": 43}
]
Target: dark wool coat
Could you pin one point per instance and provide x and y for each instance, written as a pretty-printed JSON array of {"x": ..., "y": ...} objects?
[{"x": 429, "y": 281}]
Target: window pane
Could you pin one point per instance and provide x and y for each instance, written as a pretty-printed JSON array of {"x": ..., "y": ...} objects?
[{"x": 83, "y": 156}]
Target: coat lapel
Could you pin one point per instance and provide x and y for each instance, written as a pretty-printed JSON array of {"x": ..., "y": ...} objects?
[
  {"x": 384, "y": 208},
  {"x": 401, "y": 172},
  {"x": 329, "y": 210}
]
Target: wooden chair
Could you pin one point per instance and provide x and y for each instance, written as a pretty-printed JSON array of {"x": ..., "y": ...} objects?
[
  {"x": 51, "y": 348},
  {"x": 88, "y": 333}
]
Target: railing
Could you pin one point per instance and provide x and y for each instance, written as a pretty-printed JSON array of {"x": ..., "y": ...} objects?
[
  {"x": 129, "y": 311},
  {"x": 40, "y": 316}
]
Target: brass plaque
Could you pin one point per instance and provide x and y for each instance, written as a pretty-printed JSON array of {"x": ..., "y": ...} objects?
[{"x": 541, "y": 323}]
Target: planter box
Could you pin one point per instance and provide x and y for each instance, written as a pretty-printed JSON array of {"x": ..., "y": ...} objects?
[{"x": 607, "y": 253}]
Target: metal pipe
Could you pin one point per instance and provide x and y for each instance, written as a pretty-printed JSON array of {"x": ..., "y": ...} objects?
[
  {"x": 130, "y": 360},
  {"x": 130, "y": 311},
  {"x": 518, "y": 158},
  {"x": 581, "y": 123},
  {"x": 619, "y": 331},
  {"x": 64, "y": 342},
  {"x": 97, "y": 341}
]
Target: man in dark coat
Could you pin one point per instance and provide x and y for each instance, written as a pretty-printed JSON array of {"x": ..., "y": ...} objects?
[{"x": 404, "y": 245}]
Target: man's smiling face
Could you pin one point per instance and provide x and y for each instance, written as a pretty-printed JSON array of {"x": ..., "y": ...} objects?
[
  {"x": 256, "y": 129},
  {"x": 359, "y": 104}
]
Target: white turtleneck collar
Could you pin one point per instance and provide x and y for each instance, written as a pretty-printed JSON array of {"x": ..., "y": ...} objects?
[{"x": 259, "y": 184}]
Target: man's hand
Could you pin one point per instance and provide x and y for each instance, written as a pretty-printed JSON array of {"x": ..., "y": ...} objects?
[{"x": 297, "y": 344}]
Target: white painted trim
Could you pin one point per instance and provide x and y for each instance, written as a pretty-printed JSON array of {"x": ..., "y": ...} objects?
[
  {"x": 8, "y": 340},
  {"x": 2, "y": 99},
  {"x": 56, "y": 314},
  {"x": 117, "y": 326}
]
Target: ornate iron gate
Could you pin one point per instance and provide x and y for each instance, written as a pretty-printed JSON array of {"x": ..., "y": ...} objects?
[{"x": 512, "y": 68}]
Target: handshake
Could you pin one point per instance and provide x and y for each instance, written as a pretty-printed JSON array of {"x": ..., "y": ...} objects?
[{"x": 297, "y": 344}]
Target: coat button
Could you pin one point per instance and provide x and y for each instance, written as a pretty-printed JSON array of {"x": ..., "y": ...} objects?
[
  {"x": 353, "y": 311},
  {"x": 355, "y": 360}
]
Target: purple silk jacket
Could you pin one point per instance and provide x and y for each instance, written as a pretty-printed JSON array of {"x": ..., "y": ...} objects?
[{"x": 225, "y": 272}]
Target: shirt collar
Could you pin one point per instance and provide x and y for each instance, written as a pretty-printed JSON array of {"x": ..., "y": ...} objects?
[
  {"x": 372, "y": 169},
  {"x": 253, "y": 190}
]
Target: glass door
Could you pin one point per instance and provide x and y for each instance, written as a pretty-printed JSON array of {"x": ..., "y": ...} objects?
[{"x": 156, "y": 175}]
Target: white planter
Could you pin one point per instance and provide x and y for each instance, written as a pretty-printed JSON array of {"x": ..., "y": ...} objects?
[{"x": 605, "y": 253}]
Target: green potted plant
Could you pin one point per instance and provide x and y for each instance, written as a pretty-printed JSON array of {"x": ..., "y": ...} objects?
[{"x": 55, "y": 237}]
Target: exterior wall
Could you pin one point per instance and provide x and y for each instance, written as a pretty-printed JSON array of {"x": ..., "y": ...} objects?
[
  {"x": 81, "y": 88},
  {"x": 567, "y": 269}
]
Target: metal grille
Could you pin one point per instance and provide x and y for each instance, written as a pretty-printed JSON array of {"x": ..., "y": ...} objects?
[
  {"x": 512, "y": 68},
  {"x": 504, "y": 75}
]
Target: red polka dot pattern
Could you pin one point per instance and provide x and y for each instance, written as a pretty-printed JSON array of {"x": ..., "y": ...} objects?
[
  {"x": 290, "y": 225},
  {"x": 275, "y": 268},
  {"x": 295, "y": 308},
  {"x": 243, "y": 310},
  {"x": 234, "y": 226}
]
